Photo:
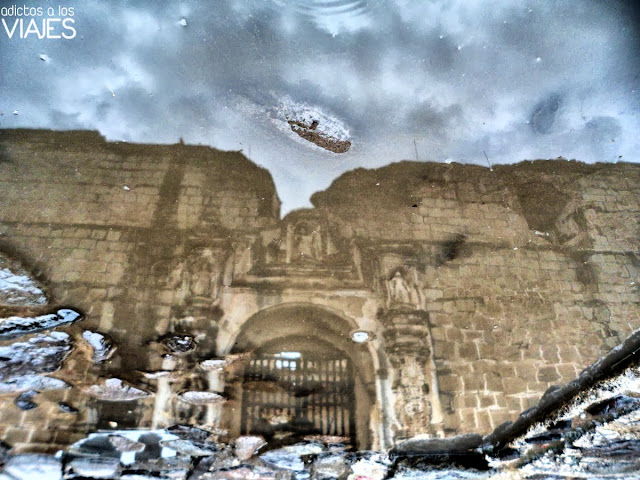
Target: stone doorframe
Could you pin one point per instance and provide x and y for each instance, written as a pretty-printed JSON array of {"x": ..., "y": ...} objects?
[{"x": 374, "y": 413}]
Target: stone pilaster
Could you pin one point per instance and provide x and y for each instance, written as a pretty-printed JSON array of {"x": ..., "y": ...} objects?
[{"x": 406, "y": 334}]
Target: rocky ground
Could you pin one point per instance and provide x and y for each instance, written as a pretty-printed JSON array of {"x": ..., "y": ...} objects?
[
  {"x": 588, "y": 428},
  {"x": 594, "y": 435}
]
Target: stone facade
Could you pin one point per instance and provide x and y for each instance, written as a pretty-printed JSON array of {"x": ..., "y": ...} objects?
[{"x": 479, "y": 288}]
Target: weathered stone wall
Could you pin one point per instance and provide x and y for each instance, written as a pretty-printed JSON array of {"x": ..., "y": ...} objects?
[
  {"x": 482, "y": 287},
  {"x": 98, "y": 216},
  {"x": 102, "y": 224},
  {"x": 544, "y": 283}
]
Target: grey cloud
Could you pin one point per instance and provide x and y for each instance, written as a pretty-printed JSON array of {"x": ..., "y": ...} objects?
[
  {"x": 427, "y": 117},
  {"x": 458, "y": 76},
  {"x": 544, "y": 114}
]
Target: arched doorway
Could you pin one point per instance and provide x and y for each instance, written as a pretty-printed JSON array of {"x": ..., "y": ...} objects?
[
  {"x": 295, "y": 386},
  {"x": 305, "y": 376}
]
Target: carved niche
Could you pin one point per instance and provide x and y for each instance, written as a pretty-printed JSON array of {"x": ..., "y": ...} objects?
[{"x": 204, "y": 273}]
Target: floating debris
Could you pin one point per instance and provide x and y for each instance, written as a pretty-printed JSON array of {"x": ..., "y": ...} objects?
[
  {"x": 115, "y": 390},
  {"x": 103, "y": 346},
  {"x": 13, "y": 327},
  {"x": 323, "y": 140},
  {"x": 188, "y": 432},
  {"x": 428, "y": 445},
  {"x": 329, "y": 466},
  {"x": 312, "y": 124}
]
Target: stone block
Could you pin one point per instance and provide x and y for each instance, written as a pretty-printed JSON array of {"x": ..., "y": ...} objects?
[
  {"x": 514, "y": 403},
  {"x": 473, "y": 382},
  {"x": 486, "y": 401},
  {"x": 453, "y": 334},
  {"x": 444, "y": 350},
  {"x": 569, "y": 354},
  {"x": 466, "y": 400},
  {"x": 468, "y": 351},
  {"x": 527, "y": 370},
  {"x": 499, "y": 416},
  {"x": 567, "y": 372},
  {"x": 40, "y": 435},
  {"x": 514, "y": 385},
  {"x": 501, "y": 400},
  {"x": 483, "y": 422},
  {"x": 15, "y": 435},
  {"x": 550, "y": 354},
  {"x": 438, "y": 333},
  {"x": 467, "y": 419},
  {"x": 449, "y": 383},
  {"x": 492, "y": 382},
  {"x": 432, "y": 294}
]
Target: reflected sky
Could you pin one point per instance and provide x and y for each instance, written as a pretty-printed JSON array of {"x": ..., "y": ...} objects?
[{"x": 443, "y": 80}]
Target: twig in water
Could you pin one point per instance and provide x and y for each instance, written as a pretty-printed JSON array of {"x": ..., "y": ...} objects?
[{"x": 485, "y": 156}]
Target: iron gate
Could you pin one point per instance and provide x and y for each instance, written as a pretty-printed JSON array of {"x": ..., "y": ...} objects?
[{"x": 299, "y": 393}]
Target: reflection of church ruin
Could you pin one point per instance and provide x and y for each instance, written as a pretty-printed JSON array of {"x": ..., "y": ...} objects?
[{"x": 414, "y": 299}]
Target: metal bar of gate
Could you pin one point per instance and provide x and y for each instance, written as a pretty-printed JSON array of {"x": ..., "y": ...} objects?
[{"x": 320, "y": 392}]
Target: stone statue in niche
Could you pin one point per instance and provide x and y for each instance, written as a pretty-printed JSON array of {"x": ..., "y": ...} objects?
[
  {"x": 307, "y": 243},
  {"x": 316, "y": 245},
  {"x": 403, "y": 291},
  {"x": 204, "y": 274},
  {"x": 356, "y": 258},
  {"x": 399, "y": 289}
]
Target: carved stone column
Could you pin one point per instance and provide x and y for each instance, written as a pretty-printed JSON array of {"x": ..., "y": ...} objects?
[
  {"x": 214, "y": 370},
  {"x": 406, "y": 335}
]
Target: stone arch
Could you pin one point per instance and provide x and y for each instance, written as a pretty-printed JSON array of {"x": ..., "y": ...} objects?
[{"x": 299, "y": 326}]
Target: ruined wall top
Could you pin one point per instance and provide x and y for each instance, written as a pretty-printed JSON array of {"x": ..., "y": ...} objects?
[{"x": 91, "y": 181}]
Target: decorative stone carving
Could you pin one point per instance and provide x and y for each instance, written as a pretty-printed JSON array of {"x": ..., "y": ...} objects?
[
  {"x": 399, "y": 289},
  {"x": 406, "y": 334},
  {"x": 571, "y": 225},
  {"x": 307, "y": 239},
  {"x": 204, "y": 271},
  {"x": 307, "y": 243},
  {"x": 200, "y": 277},
  {"x": 403, "y": 289},
  {"x": 356, "y": 258}
]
